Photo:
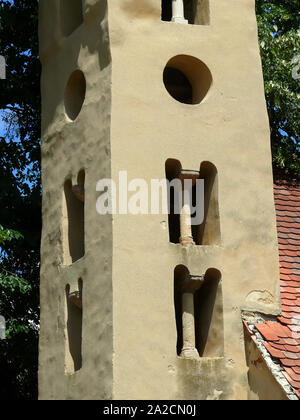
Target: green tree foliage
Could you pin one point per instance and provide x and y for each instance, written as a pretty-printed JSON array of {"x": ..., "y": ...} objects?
[
  {"x": 279, "y": 34},
  {"x": 20, "y": 195}
]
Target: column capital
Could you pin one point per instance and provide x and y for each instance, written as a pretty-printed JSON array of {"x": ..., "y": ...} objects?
[
  {"x": 178, "y": 12},
  {"x": 189, "y": 174},
  {"x": 192, "y": 283}
]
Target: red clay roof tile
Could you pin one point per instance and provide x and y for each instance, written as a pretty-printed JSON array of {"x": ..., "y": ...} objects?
[
  {"x": 274, "y": 352},
  {"x": 294, "y": 384},
  {"x": 292, "y": 348},
  {"x": 282, "y": 338},
  {"x": 267, "y": 332},
  {"x": 290, "y": 341},
  {"x": 290, "y": 362},
  {"x": 295, "y": 376}
]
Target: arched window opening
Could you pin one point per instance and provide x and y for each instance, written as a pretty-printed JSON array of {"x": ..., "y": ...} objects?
[
  {"x": 73, "y": 222},
  {"x": 208, "y": 301},
  {"x": 208, "y": 233},
  {"x": 75, "y": 92},
  {"x": 166, "y": 10},
  {"x": 181, "y": 195},
  {"x": 173, "y": 171},
  {"x": 193, "y": 209},
  {"x": 73, "y": 357},
  {"x": 199, "y": 313}
]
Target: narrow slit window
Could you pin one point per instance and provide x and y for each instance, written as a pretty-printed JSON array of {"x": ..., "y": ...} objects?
[
  {"x": 73, "y": 359},
  {"x": 193, "y": 12},
  {"x": 173, "y": 170},
  {"x": 208, "y": 233},
  {"x": 71, "y": 15},
  {"x": 73, "y": 223}
]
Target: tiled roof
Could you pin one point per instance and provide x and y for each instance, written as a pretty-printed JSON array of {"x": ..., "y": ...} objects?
[{"x": 282, "y": 338}]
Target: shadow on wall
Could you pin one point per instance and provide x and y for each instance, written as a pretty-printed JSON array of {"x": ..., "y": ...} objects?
[
  {"x": 74, "y": 329},
  {"x": 70, "y": 19},
  {"x": 74, "y": 246},
  {"x": 71, "y": 15},
  {"x": 74, "y": 220}
]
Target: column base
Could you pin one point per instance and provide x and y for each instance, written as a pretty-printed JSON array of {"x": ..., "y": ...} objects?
[
  {"x": 180, "y": 20},
  {"x": 186, "y": 240},
  {"x": 189, "y": 353}
]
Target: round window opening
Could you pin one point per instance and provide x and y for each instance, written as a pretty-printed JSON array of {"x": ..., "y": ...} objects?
[
  {"x": 75, "y": 94},
  {"x": 187, "y": 79}
]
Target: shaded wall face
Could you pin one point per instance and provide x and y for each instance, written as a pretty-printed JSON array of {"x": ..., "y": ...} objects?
[
  {"x": 209, "y": 319},
  {"x": 75, "y": 349},
  {"x": 73, "y": 333}
]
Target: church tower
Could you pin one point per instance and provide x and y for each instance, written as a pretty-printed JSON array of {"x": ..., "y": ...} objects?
[{"x": 145, "y": 306}]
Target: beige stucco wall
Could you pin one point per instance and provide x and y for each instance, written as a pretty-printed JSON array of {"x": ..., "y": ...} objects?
[{"x": 130, "y": 122}]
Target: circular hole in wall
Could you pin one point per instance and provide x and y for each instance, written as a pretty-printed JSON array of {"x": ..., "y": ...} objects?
[
  {"x": 75, "y": 94},
  {"x": 187, "y": 79}
]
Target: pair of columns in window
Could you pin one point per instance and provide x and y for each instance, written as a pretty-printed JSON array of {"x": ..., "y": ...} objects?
[{"x": 178, "y": 12}]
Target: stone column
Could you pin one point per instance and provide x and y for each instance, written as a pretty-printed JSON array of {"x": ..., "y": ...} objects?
[
  {"x": 189, "y": 350},
  {"x": 186, "y": 237},
  {"x": 178, "y": 12},
  {"x": 190, "y": 286}
]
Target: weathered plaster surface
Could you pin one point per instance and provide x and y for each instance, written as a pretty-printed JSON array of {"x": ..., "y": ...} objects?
[
  {"x": 130, "y": 122},
  {"x": 68, "y": 147}
]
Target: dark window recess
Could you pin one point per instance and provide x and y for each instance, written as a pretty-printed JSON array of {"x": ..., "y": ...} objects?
[
  {"x": 166, "y": 10},
  {"x": 173, "y": 170},
  {"x": 208, "y": 312},
  {"x": 74, "y": 329},
  {"x": 187, "y": 79},
  {"x": 74, "y": 197},
  {"x": 178, "y": 85},
  {"x": 195, "y": 11},
  {"x": 208, "y": 232}
]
